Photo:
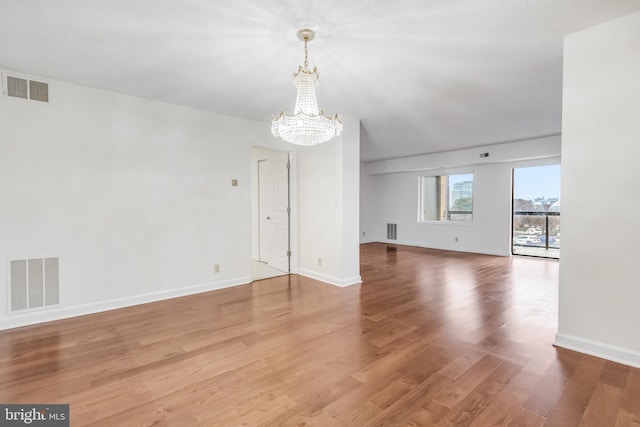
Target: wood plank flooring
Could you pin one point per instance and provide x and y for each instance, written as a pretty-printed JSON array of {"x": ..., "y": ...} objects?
[{"x": 429, "y": 338}]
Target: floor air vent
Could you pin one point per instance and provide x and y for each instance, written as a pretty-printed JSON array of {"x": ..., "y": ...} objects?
[
  {"x": 392, "y": 231},
  {"x": 33, "y": 283}
]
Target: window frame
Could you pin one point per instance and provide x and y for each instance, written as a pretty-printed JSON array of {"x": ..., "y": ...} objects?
[{"x": 447, "y": 216}]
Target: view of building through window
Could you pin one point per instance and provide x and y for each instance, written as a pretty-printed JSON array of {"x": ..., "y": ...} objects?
[
  {"x": 536, "y": 211},
  {"x": 446, "y": 198},
  {"x": 461, "y": 197}
]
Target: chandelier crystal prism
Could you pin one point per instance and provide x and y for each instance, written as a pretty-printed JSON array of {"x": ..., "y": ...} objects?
[{"x": 307, "y": 125}]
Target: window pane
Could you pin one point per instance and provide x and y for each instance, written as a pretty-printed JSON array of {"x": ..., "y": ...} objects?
[
  {"x": 433, "y": 198},
  {"x": 536, "y": 211},
  {"x": 461, "y": 197},
  {"x": 446, "y": 197}
]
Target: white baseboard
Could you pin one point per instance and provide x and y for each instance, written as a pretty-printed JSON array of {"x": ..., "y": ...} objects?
[
  {"x": 15, "y": 320},
  {"x": 330, "y": 280},
  {"x": 599, "y": 349}
]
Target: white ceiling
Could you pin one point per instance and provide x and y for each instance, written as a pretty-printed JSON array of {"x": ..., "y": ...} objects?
[{"x": 423, "y": 76}]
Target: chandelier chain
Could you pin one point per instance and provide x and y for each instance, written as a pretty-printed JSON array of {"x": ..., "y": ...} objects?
[{"x": 306, "y": 61}]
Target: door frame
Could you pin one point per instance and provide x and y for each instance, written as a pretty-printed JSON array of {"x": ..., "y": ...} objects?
[{"x": 260, "y": 154}]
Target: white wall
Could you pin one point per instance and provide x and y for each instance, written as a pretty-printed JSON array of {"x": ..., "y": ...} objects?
[
  {"x": 351, "y": 202},
  {"x": 392, "y": 188},
  {"x": 367, "y": 204},
  {"x": 134, "y": 197},
  {"x": 328, "y": 179},
  {"x": 599, "y": 276}
]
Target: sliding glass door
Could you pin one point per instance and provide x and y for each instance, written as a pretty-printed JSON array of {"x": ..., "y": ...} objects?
[{"x": 536, "y": 211}]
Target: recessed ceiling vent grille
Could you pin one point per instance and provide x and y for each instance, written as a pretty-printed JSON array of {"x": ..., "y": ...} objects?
[{"x": 18, "y": 87}]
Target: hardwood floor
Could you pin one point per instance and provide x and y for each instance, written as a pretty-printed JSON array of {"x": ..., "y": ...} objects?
[{"x": 429, "y": 338}]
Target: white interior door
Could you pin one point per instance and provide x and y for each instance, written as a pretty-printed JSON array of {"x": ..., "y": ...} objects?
[{"x": 274, "y": 218}]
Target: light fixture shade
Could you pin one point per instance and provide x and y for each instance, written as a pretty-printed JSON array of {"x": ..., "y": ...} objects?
[{"x": 308, "y": 125}]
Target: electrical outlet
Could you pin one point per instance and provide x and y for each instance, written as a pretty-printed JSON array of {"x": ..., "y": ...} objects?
[
  {"x": 216, "y": 268},
  {"x": 320, "y": 261}
]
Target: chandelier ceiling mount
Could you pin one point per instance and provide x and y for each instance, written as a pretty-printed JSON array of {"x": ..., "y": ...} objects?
[{"x": 306, "y": 35}]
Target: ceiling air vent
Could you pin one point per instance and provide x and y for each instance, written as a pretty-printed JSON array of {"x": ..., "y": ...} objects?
[{"x": 19, "y": 87}]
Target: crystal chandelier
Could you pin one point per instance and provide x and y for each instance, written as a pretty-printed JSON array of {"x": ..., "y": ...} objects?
[{"x": 306, "y": 126}]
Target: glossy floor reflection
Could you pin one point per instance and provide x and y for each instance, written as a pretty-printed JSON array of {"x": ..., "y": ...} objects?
[
  {"x": 429, "y": 338},
  {"x": 262, "y": 270}
]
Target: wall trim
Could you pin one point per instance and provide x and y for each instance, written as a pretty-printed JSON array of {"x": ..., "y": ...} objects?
[
  {"x": 16, "y": 320},
  {"x": 330, "y": 280},
  {"x": 534, "y": 148},
  {"x": 598, "y": 349}
]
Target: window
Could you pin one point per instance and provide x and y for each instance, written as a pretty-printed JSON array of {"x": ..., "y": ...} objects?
[
  {"x": 536, "y": 211},
  {"x": 446, "y": 198}
]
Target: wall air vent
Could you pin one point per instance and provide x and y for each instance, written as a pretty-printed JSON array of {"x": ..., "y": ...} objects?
[
  {"x": 38, "y": 91},
  {"x": 33, "y": 283},
  {"x": 17, "y": 87},
  {"x": 20, "y": 87},
  {"x": 392, "y": 231}
]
